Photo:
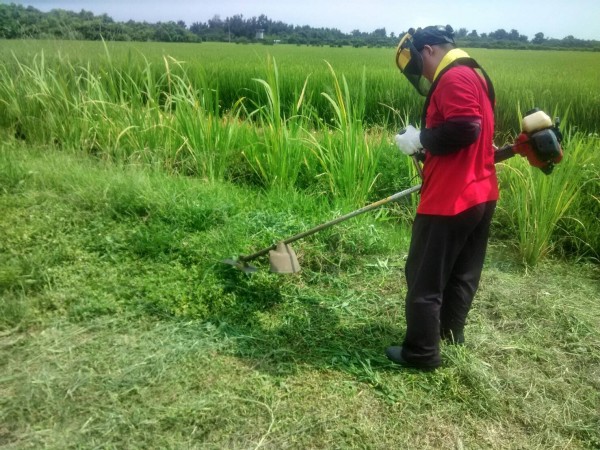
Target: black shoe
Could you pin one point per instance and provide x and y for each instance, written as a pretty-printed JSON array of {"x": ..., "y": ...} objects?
[{"x": 394, "y": 353}]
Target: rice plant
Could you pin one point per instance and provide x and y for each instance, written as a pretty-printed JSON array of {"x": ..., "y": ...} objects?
[
  {"x": 277, "y": 153},
  {"x": 343, "y": 151},
  {"x": 538, "y": 202},
  {"x": 208, "y": 138}
]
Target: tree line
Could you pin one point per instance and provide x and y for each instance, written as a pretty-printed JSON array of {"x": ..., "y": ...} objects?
[{"x": 20, "y": 22}]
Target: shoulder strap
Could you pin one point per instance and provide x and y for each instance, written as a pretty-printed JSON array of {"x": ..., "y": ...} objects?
[{"x": 469, "y": 62}]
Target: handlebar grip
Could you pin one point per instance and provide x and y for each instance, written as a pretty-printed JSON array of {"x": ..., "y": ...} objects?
[{"x": 503, "y": 154}]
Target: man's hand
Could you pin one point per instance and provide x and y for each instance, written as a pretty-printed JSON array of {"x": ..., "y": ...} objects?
[{"x": 409, "y": 140}]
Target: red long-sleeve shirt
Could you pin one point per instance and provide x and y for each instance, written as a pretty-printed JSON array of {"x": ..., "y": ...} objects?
[{"x": 457, "y": 181}]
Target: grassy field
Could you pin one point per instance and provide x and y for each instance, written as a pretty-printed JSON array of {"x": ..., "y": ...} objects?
[
  {"x": 128, "y": 172},
  {"x": 562, "y": 83},
  {"x": 121, "y": 329},
  {"x": 295, "y": 121}
]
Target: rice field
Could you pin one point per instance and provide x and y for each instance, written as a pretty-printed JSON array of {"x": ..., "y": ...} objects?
[
  {"x": 317, "y": 119},
  {"x": 558, "y": 81}
]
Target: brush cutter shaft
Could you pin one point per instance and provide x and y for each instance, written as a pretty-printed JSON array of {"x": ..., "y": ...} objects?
[
  {"x": 362, "y": 210},
  {"x": 318, "y": 228},
  {"x": 418, "y": 166},
  {"x": 543, "y": 144}
]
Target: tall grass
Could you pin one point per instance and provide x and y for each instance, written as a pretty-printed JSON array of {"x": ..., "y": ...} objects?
[
  {"x": 122, "y": 114},
  {"x": 209, "y": 138},
  {"x": 177, "y": 115},
  {"x": 277, "y": 153},
  {"x": 546, "y": 80},
  {"x": 347, "y": 161},
  {"x": 538, "y": 202},
  {"x": 578, "y": 232},
  {"x": 542, "y": 78},
  {"x": 36, "y": 100}
]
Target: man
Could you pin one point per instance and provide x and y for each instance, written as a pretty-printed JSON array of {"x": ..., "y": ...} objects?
[{"x": 458, "y": 194}]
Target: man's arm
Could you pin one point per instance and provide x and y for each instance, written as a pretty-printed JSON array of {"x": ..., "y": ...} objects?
[{"x": 451, "y": 136}]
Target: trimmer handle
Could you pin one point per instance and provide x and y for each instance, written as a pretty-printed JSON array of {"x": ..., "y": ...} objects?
[{"x": 503, "y": 154}]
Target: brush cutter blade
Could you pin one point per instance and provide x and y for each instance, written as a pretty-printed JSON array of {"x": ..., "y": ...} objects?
[
  {"x": 283, "y": 259},
  {"x": 241, "y": 265}
]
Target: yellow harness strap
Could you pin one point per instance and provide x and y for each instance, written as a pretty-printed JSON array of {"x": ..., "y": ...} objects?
[{"x": 449, "y": 58}]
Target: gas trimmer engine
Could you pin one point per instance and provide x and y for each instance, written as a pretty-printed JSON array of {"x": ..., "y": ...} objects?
[{"x": 539, "y": 142}]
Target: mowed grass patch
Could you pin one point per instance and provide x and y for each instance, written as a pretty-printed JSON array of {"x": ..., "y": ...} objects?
[{"x": 309, "y": 374}]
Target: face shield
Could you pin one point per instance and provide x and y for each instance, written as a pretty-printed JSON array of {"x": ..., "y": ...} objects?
[
  {"x": 410, "y": 63},
  {"x": 408, "y": 56}
]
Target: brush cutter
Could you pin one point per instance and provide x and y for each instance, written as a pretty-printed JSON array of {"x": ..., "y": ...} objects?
[{"x": 539, "y": 143}]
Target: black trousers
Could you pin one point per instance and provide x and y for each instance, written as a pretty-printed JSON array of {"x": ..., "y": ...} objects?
[{"x": 443, "y": 269}]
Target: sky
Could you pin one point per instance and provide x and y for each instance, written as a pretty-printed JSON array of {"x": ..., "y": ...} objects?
[{"x": 554, "y": 18}]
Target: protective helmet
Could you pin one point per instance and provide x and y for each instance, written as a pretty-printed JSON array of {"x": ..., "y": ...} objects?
[{"x": 408, "y": 56}]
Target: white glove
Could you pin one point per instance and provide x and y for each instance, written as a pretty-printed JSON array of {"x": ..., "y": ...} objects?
[{"x": 409, "y": 140}]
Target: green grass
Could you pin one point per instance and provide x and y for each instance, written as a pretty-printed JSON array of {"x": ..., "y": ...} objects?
[
  {"x": 313, "y": 133},
  {"x": 523, "y": 79},
  {"x": 120, "y": 328},
  {"x": 126, "y": 178},
  {"x": 539, "y": 202}
]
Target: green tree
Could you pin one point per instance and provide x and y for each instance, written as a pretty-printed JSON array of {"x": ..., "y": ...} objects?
[{"x": 538, "y": 38}]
